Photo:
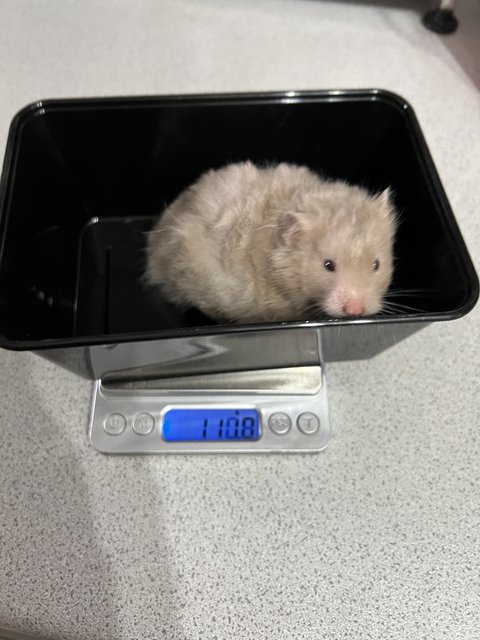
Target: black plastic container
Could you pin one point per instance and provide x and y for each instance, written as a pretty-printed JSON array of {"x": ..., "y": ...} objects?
[{"x": 83, "y": 180}]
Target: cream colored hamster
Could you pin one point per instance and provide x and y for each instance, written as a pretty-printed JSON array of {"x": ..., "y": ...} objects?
[{"x": 249, "y": 244}]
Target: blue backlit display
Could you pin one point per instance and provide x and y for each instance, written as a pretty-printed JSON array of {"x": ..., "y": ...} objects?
[{"x": 197, "y": 425}]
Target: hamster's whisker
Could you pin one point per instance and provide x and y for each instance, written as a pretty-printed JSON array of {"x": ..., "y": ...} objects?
[
  {"x": 387, "y": 311},
  {"x": 397, "y": 306},
  {"x": 411, "y": 292},
  {"x": 163, "y": 229}
]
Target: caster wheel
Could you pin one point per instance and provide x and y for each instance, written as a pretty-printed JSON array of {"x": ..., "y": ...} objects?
[{"x": 440, "y": 21}]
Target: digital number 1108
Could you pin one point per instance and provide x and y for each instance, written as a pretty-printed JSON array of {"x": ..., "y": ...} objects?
[{"x": 229, "y": 428}]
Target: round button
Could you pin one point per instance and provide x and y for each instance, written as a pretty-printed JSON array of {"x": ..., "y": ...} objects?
[
  {"x": 143, "y": 424},
  {"x": 308, "y": 423},
  {"x": 115, "y": 424},
  {"x": 279, "y": 422}
]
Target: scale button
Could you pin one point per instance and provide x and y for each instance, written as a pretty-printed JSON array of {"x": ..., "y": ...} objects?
[
  {"x": 308, "y": 423},
  {"x": 279, "y": 422},
  {"x": 143, "y": 424},
  {"x": 115, "y": 424}
]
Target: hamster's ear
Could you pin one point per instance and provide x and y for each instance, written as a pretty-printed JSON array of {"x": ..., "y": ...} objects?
[{"x": 290, "y": 230}]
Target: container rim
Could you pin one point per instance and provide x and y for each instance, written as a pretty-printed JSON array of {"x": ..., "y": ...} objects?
[
  {"x": 220, "y": 329},
  {"x": 41, "y": 106}
]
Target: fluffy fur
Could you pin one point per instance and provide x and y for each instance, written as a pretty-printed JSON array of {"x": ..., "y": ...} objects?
[{"x": 249, "y": 244}]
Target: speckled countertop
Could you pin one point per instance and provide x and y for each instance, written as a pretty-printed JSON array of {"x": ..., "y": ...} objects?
[{"x": 378, "y": 537}]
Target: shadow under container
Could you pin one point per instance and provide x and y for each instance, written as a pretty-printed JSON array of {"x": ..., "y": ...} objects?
[{"x": 84, "y": 179}]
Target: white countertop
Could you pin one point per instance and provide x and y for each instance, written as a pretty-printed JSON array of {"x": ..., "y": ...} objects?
[{"x": 378, "y": 537}]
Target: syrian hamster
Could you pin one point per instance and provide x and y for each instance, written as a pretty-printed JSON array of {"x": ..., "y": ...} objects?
[{"x": 249, "y": 244}]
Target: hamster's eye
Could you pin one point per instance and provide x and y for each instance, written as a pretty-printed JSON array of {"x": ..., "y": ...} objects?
[
  {"x": 376, "y": 265},
  {"x": 329, "y": 265}
]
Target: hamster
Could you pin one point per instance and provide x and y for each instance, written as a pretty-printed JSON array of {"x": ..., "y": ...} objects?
[{"x": 248, "y": 244}]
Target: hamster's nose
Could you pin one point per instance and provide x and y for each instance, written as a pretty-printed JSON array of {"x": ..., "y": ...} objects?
[{"x": 354, "y": 307}]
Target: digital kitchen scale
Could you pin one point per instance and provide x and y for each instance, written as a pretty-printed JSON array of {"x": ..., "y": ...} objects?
[{"x": 264, "y": 410}]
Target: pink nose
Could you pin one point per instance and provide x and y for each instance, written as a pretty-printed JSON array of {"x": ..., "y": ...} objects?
[{"x": 353, "y": 308}]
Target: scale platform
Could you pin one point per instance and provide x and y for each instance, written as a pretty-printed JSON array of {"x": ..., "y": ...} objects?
[{"x": 264, "y": 410}]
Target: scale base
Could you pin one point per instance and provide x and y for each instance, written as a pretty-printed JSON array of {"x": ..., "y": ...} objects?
[{"x": 127, "y": 418}]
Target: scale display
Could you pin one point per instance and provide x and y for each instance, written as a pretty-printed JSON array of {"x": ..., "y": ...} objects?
[{"x": 211, "y": 425}]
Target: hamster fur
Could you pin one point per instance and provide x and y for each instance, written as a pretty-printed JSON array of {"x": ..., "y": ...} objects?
[{"x": 249, "y": 244}]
